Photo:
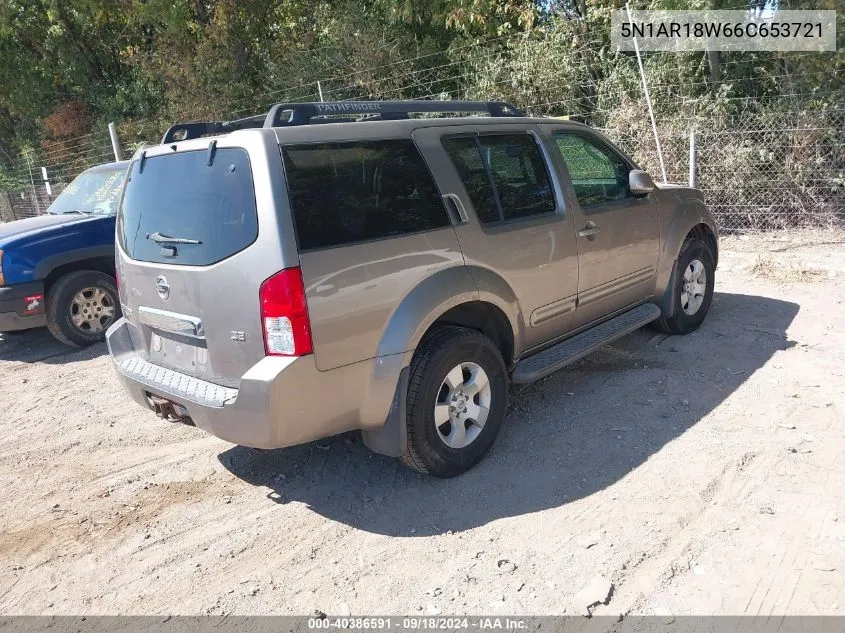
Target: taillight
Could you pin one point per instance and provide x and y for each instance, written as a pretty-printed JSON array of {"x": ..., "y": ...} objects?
[{"x": 284, "y": 315}]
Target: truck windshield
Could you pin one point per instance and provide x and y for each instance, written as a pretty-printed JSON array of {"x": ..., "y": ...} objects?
[{"x": 91, "y": 193}]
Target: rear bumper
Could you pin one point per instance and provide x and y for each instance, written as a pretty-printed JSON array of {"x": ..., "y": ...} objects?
[
  {"x": 279, "y": 401},
  {"x": 22, "y": 306}
]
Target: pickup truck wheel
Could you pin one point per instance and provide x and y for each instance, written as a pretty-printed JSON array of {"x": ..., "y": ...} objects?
[
  {"x": 457, "y": 394},
  {"x": 693, "y": 290},
  {"x": 81, "y": 306}
]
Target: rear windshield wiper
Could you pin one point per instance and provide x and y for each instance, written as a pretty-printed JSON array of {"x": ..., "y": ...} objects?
[{"x": 160, "y": 238}]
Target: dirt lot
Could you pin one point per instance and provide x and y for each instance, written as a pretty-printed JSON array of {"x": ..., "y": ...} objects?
[{"x": 698, "y": 475}]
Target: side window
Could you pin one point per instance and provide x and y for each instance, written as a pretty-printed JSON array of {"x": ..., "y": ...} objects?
[
  {"x": 599, "y": 175},
  {"x": 464, "y": 153},
  {"x": 504, "y": 174},
  {"x": 342, "y": 193}
]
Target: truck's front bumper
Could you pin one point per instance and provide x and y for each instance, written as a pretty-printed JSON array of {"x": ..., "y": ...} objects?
[
  {"x": 22, "y": 306},
  {"x": 279, "y": 401}
]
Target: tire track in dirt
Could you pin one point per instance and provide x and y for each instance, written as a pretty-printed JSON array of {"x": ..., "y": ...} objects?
[{"x": 650, "y": 457}]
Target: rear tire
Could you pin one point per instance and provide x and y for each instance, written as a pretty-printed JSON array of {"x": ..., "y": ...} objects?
[
  {"x": 693, "y": 290},
  {"x": 81, "y": 306},
  {"x": 457, "y": 395}
]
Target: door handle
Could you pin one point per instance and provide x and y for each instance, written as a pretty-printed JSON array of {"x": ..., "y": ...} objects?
[
  {"x": 455, "y": 209},
  {"x": 589, "y": 230}
]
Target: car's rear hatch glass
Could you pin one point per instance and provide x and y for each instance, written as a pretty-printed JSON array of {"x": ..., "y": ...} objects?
[
  {"x": 189, "y": 208},
  {"x": 185, "y": 227}
]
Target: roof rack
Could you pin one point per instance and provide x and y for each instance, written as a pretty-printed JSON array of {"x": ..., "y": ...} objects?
[{"x": 290, "y": 114}]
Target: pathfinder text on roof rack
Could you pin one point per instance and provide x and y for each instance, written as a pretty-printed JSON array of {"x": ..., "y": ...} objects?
[{"x": 293, "y": 114}]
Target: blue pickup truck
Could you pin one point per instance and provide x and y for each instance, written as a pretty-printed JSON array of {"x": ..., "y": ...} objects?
[{"x": 57, "y": 269}]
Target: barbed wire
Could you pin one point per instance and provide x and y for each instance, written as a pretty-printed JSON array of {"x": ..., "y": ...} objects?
[
  {"x": 755, "y": 173},
  {"x": 371, "y": 69}
]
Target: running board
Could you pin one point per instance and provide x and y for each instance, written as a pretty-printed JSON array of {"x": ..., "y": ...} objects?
[{"x": 550, "y": 360}]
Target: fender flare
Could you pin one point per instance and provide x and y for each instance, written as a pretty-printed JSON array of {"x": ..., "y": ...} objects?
[
  {"x": 47, "y": 265},
  {"x": 495, "y": 290},
  {"x": 382, "y": 411},
  {"x": 690, "y": 215},
  {"x": 406, "y": 326}
]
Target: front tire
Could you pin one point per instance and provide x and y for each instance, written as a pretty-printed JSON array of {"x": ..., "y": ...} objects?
[
  {"x": 81, "y": 306},
  {"x": 693, "y": 288},
  {"x": 457, "y": 395}
]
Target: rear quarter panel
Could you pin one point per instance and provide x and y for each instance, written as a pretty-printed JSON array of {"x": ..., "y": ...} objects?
[{"x": 364, "y": 300}]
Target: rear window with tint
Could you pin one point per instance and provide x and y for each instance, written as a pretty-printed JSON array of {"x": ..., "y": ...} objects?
[
  {"x": 181, "y": 197},
  {"x": 343, "y": 193}
]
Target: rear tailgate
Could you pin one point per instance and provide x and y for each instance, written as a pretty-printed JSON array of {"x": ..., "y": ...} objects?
[{"x": 197, "y": 234}]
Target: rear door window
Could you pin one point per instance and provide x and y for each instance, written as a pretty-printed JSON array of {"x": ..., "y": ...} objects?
[
  {"x": 349, "y": 192},
  {"x": 464, "y": 153},
  {"x": 505, "y": 175},
  {"x": 208, "y": 211}
]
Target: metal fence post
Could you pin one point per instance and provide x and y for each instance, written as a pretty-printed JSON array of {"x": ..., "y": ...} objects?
[
  {"x": 648, "y": 100},
  {"x": 692, "y": 156},
  {"x": 115, "y": 143},
  {"x": 35, "y": 203},
  {"x": 7, "y": 211},
  {"x": 47, "y": 183}
]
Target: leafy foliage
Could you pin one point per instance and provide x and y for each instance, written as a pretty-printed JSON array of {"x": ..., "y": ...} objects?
[{"x": 67, "y": 67}]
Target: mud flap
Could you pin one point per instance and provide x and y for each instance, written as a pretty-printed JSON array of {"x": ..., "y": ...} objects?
[
  {"x": 392, "y": 438},
  {"x": 669, "y": 301}
]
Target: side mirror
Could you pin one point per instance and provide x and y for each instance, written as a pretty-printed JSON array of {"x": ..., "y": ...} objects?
[{"x": 640, "y": 182}]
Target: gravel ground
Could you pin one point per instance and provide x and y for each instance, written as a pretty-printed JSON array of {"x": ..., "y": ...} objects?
[{"x": 663, "y": 475}]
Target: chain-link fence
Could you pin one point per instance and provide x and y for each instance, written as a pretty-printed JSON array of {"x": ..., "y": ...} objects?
[
  {"x": 775, "y": 178},
  {"x": 757, "y": 172},
  {"x": 28, "y": 202},
  {"x": 34, "y": 181},
  {"x": 755, "y": 175}
]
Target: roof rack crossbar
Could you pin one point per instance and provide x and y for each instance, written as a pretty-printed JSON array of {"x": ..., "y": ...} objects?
[{"x": 291, "y": 114}]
